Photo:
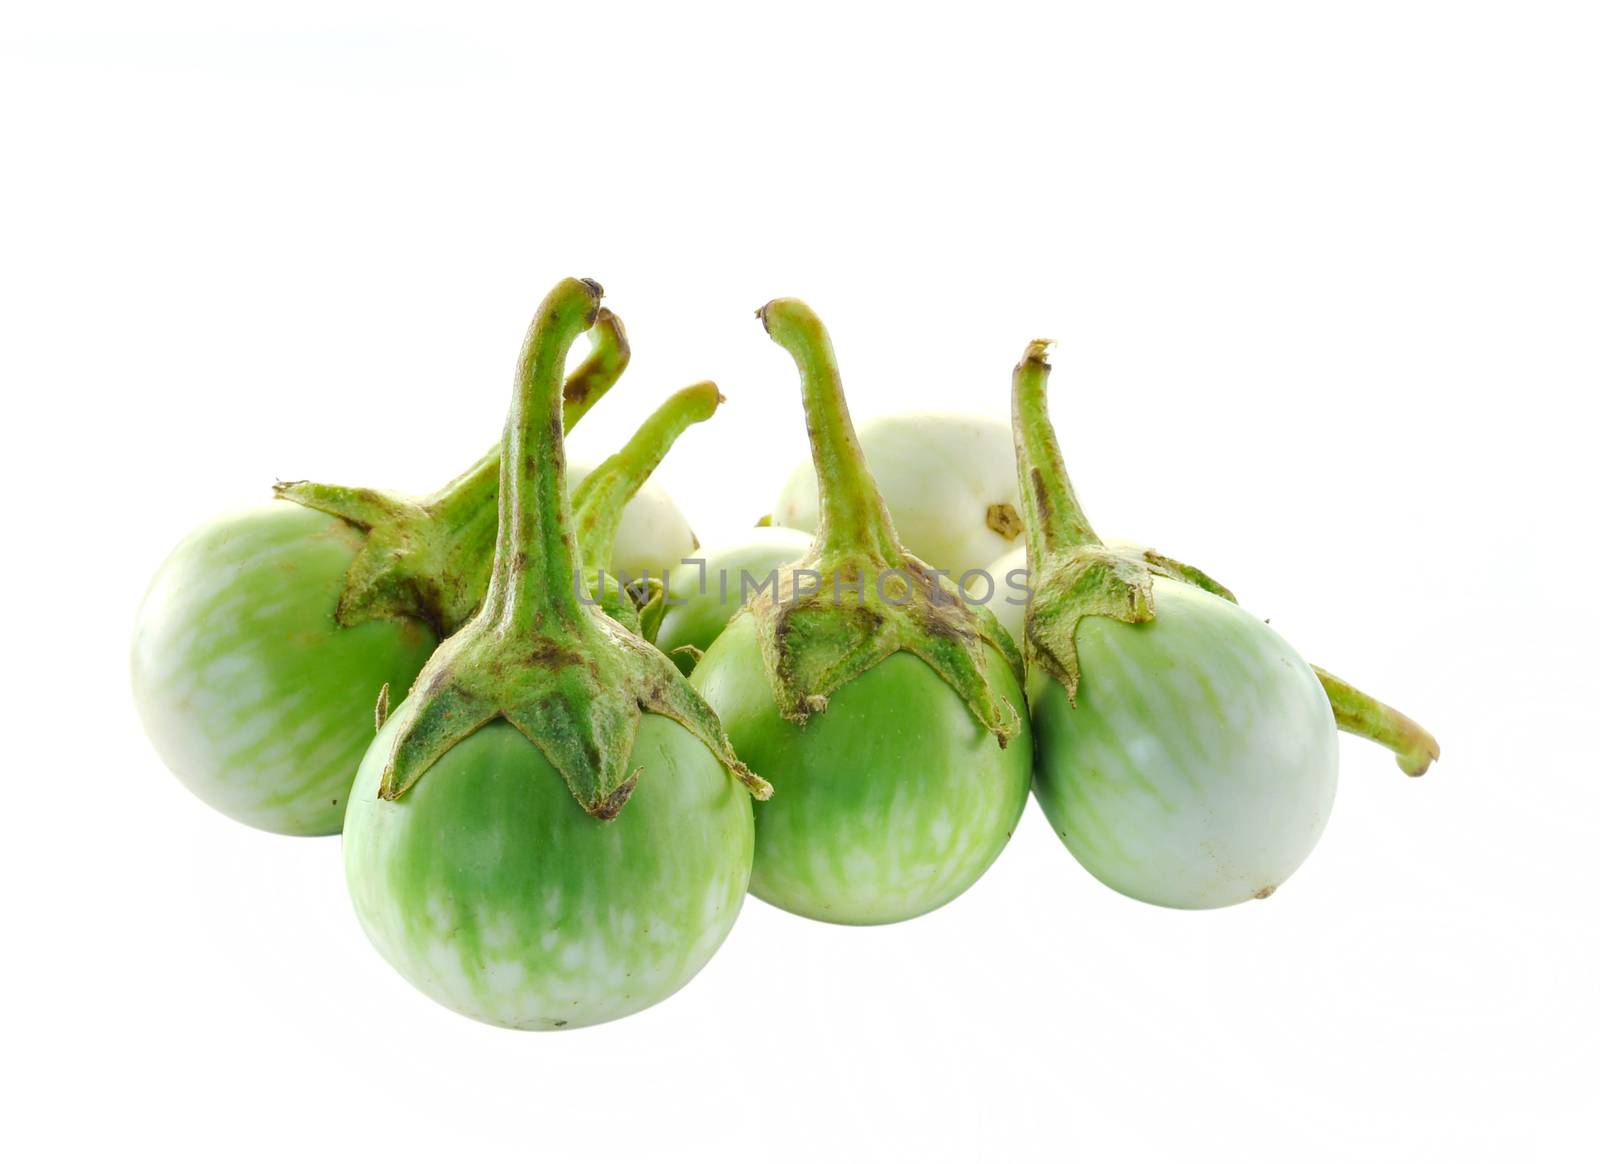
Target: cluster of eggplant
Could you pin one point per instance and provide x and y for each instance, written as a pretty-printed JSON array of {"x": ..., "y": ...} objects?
[{"x": 562, "y": 743}]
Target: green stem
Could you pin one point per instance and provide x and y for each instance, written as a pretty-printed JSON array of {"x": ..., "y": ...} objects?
[
  {"x": 572, "y": 682},
  {"x": 469, "y": 499},
  {"x": 429, "y": 558},
  {"x": 1054, "y": 519},
  {"x": 608, "y": 358},
  {"x": 535, "y": 555},
  {"x": 1359, "y": 714},
  {"x": 597, "y": 503},
  {"x": 465, "y": 510},
  {"x": 852, "y": 515}
]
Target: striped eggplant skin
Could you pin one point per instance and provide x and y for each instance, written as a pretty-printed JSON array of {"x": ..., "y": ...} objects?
[
  {"x": 1199, "y": 765},
  {"x": 492, "y": 891},
  {"x": 696, "y": 614},
  {"x": 253, "y": 695},
  {"x": 888, "y": 804}
]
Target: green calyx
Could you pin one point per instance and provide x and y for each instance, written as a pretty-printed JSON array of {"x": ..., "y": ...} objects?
[
  {"x": 597, "y": 504},
  {"x": 857, "y": 597},
  {"x": 570, "y": 678},
  {"x": 1074, "y": 575},
  {"x": 428, "y": 558}
]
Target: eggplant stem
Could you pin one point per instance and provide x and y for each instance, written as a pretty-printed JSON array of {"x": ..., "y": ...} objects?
[
  {"x": 597, "y": 504},
  {"x": 1361, "y": 715},
  {"x": 608, "y": 357},
  {"x": 573, "y": 682},
  {"x": 536, "y": 556},
  {"x": 1054, "y": 519},
  {"x": 851, "y": 513},
  {"x": 815, "y": 641}
]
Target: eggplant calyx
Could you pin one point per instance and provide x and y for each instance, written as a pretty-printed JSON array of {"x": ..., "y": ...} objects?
[
  {"x": 1113, "y": 581},
  {"x": 538, "y": 653},
  {"x": 1070, "y": 587},
  {"x": 832, "y": 618},
  {"x": 428, "y": 558},
  {"x": 1183, "y": 572},
  {"x": 578, "y": 697},
  {"x": 856, "y": 597},
  {"x": 1075, "y": 575}
]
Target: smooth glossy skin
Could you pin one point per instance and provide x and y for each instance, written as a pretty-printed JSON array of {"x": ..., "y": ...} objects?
[
  {"x": 653, "y": 536},
  {"x": 1199, "y": 766},
  {"x": 939, "y": 474},
  {"x": 888, "y": 804},
  {"x": 494, "y": 893},
  {"x": 708, "y": 601},
  {"x": 250, "y": 691}
]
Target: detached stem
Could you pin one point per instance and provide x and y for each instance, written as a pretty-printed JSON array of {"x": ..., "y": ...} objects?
[
  {"x": 535, "y": 553},
  {"x": 1360, "y": 714},
  {"x": 852, "y": 515},
  {"x": 1054, "y": 519},
  {"x": 597, "y": 504}
]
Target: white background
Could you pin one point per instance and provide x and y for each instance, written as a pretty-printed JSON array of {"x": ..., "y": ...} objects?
[{"x": 1324, "y": 278}]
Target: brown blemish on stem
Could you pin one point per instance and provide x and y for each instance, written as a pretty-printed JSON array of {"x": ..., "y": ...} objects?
[
  {"x": 605, "y": 362},
  {"x": 1041, "y": 494},
  {"x": 553, "y": 655}
]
